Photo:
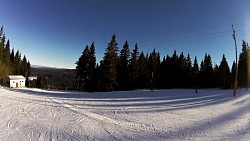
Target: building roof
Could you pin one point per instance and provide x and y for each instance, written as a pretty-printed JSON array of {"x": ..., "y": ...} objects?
[{"x": 16, "y": 77}]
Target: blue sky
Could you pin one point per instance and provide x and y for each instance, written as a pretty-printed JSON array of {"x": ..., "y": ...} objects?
[{"x": 54, "y": 32}]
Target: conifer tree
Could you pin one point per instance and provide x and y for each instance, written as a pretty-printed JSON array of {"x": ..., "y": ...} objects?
[
  {"x": 133, "y": 70},
  {"x": 82, "y": 69},
  {"x": 181, "y": 71},
  {"x": 123, "y": 73},
  {"x": 2, "y": 44},
  {"x": 188, "y": 72},
  {"x": 195, "y": 73},
  {"x": 17, "y": 63},
  {"x": 91, "y": 83},
  {"x": 110, "y": 61},
  {"x": 85, "y": 69},
  {"x": 41, "y": 81},
  {"x": 202, "y": 74},
  {"x": 233, "y": 71},
  {"x": 6, "y": 55},
  {"x": 207, "y": 72},
  {"x": 92, "y": 58},
  {"x": 24, "y": 67},
  {"x": 165, "y": 72},
  {"x": 243, "y": 66},
  {"x": 99, "y": 75},
  {"x": 173, "y": 70},
  {"x": 224, "y": 74},
  {"x": 12, "y": 56},
  {"x": 153, "y": 68},
  {"x": 28, "y": 68},
  {"x": 4, "y": 71},
  {"x": 216, "y": 76},
  {"x": 142, "y": 71},
  {"x": 1, "y": 32}
]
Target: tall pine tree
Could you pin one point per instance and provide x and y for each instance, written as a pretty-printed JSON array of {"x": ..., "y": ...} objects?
[
  {"x": 133, "y": 69},
  {"x": 24, "y": 67},
  {"x": 142, "y": 71},
  {"x": 92, "y": 80},
  {"x": 17, "y": 63},
  {"x": 243, "y": 66},
  {"x": 195, "y": 73},
  {"x": 154, "y": 68},
  {"x": 165, "y": 73},
  {"x": 6, "y": 54},
  {"x": 110, "y": 61},
  {"x": 181, "y": 77},
  {"x": 2, "y": 44},
  {"x": 188, "y": 72},
  {"x": 233, "y": 71},
  {"x": 207, "y": 72},
  {"x": 12, "y": 57},
  {"x": 224, "y": 74},
  {"x": 123, "y": 73},
  {"x": 174, "y": 70},
  {"x": 82, "y": 69}
]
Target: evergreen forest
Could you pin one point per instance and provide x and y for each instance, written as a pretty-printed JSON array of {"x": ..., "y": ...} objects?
[
  {"x": 129, "y": 69},
  {"x": 11, "y": 62}
]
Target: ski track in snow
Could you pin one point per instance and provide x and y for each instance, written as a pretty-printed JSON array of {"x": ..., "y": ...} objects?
[{"x": 34, "y": 115}]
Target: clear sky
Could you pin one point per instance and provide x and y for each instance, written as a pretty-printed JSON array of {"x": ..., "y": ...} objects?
[{"x": 55, "y": 32}]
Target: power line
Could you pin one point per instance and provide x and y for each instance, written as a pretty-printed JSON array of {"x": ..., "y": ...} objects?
[
  {"x": 182, "y": 40},
  {"x": 192, "y": 30},
  {"x": 187, "y": 37}
]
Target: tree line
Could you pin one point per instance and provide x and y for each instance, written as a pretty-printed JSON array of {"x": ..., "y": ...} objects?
[
  {"x": 11, "y": 62},
  {"x": 128, "y": 70}
]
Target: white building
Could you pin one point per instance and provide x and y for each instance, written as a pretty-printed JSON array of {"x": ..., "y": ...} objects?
[{"x": 17, "y": 81}]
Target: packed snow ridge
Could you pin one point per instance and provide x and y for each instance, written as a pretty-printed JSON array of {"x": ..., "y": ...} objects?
[{"x": 35, "y": 114}]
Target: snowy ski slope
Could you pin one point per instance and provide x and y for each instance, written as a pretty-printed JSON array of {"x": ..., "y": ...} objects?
[{"x": 34, "y": 114}]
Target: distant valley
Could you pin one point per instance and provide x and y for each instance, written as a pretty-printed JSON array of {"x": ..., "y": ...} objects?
[{"x": 57, "y": 78}]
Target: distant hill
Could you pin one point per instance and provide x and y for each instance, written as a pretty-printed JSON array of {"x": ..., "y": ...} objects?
[
  {"x": 56, "y": 77},
  {"x": 44, "y": 67}
]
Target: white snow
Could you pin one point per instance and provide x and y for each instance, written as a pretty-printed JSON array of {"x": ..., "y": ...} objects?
[{"x": 34, "y": 114}]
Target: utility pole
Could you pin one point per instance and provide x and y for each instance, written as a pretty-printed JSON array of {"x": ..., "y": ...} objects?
[{"x": 236, "y": 62}]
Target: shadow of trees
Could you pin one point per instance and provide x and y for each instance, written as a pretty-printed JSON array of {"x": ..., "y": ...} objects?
[{"x": 165, "y": 100}]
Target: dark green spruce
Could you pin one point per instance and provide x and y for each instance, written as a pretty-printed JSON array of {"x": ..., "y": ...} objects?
[{"x": 109, "y": 67}]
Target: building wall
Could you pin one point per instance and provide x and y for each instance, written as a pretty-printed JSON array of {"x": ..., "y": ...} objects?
[{"x": 20, "y": 83}]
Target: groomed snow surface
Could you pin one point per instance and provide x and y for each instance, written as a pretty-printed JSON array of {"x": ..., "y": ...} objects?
[{"x": 34, "y": 114}]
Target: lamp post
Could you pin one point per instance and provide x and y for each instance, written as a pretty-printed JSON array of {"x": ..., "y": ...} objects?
[{"x": 236, "y": 62}]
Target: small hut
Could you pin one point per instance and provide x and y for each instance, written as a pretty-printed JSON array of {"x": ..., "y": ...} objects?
[{"x": 17, "y": 81}]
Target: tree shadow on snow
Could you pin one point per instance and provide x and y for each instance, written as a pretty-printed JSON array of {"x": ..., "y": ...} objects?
[
  {"x": 163, "y": 101},
  {"x": 221, "y": 122},
  {"x": 144, "y": 100}
]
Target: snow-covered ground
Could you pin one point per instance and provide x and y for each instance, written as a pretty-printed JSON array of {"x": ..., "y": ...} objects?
[{"x": 34, "y": 114}]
